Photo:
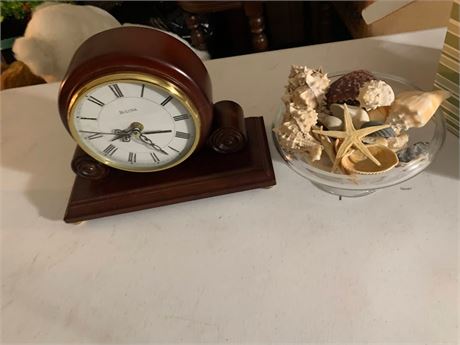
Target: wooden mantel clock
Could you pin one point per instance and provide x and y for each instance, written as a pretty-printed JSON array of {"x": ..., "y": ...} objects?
[{"x": 138, "y": 103}]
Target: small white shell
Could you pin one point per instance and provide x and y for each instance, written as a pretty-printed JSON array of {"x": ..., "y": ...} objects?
[
  {"x": 379, "y": 114},
  {"x": 374, "y": 94},
  {"x": 331, "y": 122},
  {"x": 358, "y": 115}
]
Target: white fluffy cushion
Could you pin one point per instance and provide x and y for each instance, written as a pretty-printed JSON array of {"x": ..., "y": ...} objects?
[{"x": 54, "y": 33}]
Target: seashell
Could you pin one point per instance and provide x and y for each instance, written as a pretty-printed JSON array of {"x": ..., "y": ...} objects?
[
  {"x": 357, "y": 163},
  {"x": 379, "y": 114},
  {"x": 292, "y": 139},
  {"x": 358, "y": 115},
  {"x": 327, "y": 144},
  {"x": 346, "y": 88},
  {"x": 304, "y": 117},
  {"x": 385, "y": 133},
  {"x": 414, "y": 108},
  {"x": 395, "y": 144},
  {"x": 306, "y": 87},
  {"x": 330, "y": 122},
  {"x": 413, "y": 152},
  {"x": 374, "y": 94}
]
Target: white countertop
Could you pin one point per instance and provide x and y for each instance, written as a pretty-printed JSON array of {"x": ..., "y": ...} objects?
[{"x": 286, "y": 264}]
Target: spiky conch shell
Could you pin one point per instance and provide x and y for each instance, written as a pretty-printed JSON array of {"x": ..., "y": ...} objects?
[
  {"x": 306, "y": 87},
  {"x": 294, "y": 140},
  {"x": 305, "y": 92},
  {"x": 305, "y": 118},
  {"x": 414, "y": 109}
]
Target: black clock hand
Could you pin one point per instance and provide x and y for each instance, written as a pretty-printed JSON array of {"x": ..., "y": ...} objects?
[
  {"x": 155, "y": 132},
  {"x": 146, "y": 140},
  {"x": 121, "y": 133},
  {"x": 94, "y": 132}
]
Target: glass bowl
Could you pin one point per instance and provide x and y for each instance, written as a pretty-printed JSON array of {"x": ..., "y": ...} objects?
[{"x": 434, "y": 133}]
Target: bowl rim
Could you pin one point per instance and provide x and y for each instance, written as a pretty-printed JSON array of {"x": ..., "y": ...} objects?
[{"x": 348, "y": 182}]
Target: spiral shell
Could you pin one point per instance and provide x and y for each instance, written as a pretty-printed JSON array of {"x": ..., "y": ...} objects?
[
  {"x": 385, "y": 133},
  {"x": 414, "y": 108}
]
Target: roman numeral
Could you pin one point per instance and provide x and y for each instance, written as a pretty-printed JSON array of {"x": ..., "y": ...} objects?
[
  {"x": 142, "y": 90},
  {"x": 172, "y": 148},
  {"x": 95, "y": 101},
  {"x": 166, "y": 101},
  {"x": 116, "y": 90},
  {"x": 132, "y": 157},
  {"x": 182, "y": 135},
  {"x": 181, "y": 117},
  {"x": 86, "y": 118},
  {"x": 94, "y": 136},
  {"x": 110, "y": 150},
  {"x": 154, "y": 157}
]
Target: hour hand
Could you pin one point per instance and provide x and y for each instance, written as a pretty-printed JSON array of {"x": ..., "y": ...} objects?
[
  {"x": 117, "y": 132},
  {"x": 121, "y": 134}
]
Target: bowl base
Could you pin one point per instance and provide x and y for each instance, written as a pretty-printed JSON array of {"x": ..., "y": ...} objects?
[{"x": 348, "y": 193}]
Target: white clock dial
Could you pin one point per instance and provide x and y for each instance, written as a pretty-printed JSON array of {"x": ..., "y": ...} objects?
[{"x": 133, "y": 125}]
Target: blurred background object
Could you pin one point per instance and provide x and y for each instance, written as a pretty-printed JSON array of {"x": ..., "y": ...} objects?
[
  {"x": 383, "y": 17},
  {"x": 54, "y": 33},
  {"x": 229, "y": 28}
]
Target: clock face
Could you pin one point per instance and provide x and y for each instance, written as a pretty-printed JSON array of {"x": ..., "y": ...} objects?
[{"x": 135, "y": 125}]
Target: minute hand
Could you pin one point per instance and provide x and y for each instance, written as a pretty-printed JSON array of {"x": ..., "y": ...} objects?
[
  {"x": 146, "y": 140},
  {"x": 155, "y": 132}
]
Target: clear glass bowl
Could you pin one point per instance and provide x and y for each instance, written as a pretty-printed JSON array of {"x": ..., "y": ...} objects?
[{"x": 434, "y": 133}]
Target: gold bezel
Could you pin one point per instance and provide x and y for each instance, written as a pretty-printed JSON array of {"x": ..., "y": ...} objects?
[{"x": 136, "y": 78}]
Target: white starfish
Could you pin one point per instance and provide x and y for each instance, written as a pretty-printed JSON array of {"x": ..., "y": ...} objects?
[{"x": 351, "y": 138}]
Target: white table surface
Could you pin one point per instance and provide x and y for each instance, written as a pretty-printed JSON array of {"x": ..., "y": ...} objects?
[{"x": 286, "y": 264}]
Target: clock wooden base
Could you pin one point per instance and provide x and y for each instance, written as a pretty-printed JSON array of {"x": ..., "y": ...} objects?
[{"x": 205, "y": 174}]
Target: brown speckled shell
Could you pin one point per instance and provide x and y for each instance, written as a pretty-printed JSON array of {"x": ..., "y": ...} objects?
[{"x": 346, "y": 88}]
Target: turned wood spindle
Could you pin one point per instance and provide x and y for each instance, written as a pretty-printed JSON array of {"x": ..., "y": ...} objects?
[
  {"x": 254, "y": 12},
  {"x": 193, "y": 24},
  {"x": 87, "y": 167}
]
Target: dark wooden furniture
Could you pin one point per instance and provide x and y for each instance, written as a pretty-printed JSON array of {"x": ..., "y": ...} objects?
[
  {"x": 237, "y": 158},
  {"x": 252, "y": 9},
  {"x": 205, "y": 174}
]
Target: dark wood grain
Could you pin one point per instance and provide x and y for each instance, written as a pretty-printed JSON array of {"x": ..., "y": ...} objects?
[
  {"x": 208, "y": 6},
  {"x": 87, "y": 167},
  {"x": 204, "y": 174},
  {"x": 229, "y": 128},
  {"x": 144, "y": 50},
  {"x": 254, "y": 11}
]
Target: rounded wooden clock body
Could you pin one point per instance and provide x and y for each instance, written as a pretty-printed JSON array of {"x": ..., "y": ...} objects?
[{"x": 144, "y": 58}]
